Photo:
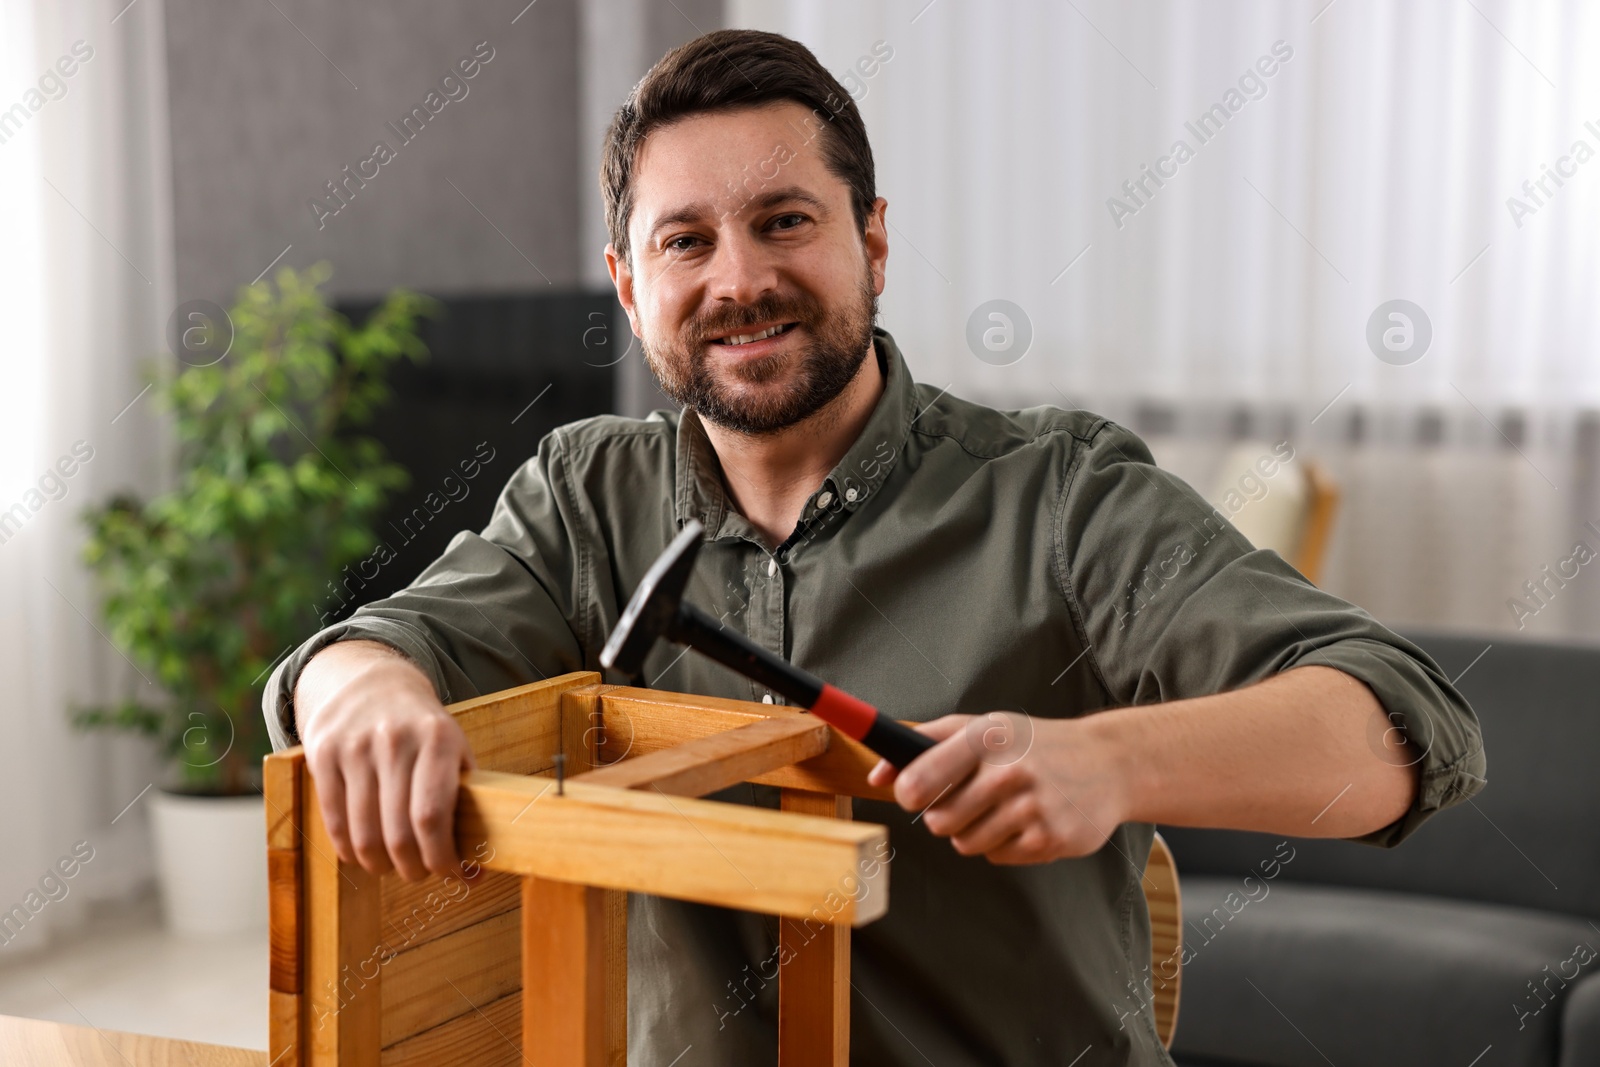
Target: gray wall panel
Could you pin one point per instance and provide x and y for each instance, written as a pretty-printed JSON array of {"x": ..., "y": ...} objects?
[{"x": 263, "y": 115}]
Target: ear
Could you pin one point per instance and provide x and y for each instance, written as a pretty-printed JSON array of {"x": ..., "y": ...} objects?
[
  {"x": 876, "y": 239},
  {"x": 622, "y": 279}
]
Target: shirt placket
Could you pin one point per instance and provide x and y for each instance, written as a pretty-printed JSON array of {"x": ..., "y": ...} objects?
[{"x": 765, "y": 615}]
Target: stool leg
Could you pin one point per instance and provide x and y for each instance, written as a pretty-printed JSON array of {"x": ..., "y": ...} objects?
[
  {"x": 814, "y": 967},
  {"x": 574, "y": 974}
]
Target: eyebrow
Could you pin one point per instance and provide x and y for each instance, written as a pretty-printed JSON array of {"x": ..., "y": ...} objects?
[{"x": 691, "y": 213}]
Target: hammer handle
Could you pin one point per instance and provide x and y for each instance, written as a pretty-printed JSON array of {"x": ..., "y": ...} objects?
[
  {"x": 889, "y": 738},
  {"x": 895, "y": 741}
]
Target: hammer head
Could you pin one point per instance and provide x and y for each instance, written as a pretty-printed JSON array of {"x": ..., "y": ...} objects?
[{"x": 654, "y": 607}]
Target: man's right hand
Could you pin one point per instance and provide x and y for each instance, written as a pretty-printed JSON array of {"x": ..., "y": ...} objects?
[{"x": 386, "y": 756}]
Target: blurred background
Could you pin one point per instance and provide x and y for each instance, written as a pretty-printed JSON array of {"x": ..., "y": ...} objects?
[{"x": 1358, "y": 234}]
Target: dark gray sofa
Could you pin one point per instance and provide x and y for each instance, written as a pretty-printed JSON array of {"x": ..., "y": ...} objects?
[{"x": 1475, "y": 943}]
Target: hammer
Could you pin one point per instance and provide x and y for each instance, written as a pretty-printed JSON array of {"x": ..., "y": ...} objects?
[{"x": 659, "y": 610}]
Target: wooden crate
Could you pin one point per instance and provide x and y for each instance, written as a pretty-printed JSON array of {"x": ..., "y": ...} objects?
[{"x": 369, "y": 971}]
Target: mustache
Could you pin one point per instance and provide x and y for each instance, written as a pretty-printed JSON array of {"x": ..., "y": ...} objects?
[{"x": 742, "y": 318}]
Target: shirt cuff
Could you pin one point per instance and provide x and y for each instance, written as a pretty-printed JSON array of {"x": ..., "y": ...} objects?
[
  {"x": 1423, "y": 705},
  {"x": 277, "y": 700}
]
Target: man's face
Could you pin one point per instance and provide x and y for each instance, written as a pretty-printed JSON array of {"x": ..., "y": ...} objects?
[{"x": 739, "y": 228}]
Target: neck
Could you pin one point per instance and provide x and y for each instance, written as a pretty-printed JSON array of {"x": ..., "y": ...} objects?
[{"x": 769, "y": 477}]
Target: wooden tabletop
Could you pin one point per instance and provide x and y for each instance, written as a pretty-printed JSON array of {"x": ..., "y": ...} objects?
[{"x": 42, "y": 1044}]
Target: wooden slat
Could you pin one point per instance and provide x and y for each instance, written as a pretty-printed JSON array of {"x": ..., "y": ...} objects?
[
  {"x": 343, "y": 955},
  {"x": 614, "y": 948},
  {"x": 283, "y": 1028},
  {"x": 426, "y": 986},
  {"x": 280, "y": 780},
  {"x": 420, "y": 913},
  {"x": 281, "y": 774},
  {"x": 281, "y": 777},
  {"x": 564, "y": 972},
  {"x": 727, "y": 854},
  {"x": 582, "y": 730},
  {"x": 283, "y": 920},
  {"x": 582, "y": 727},
  {"x": 415, "y": 913},
  {"x": 518, "y": 731},
  {"x": 1166, "y": 936},
  {"x": 490, "y": 1036},
  {"x": 716, "y": 761},
  {"x": 641, "y": 721},
  {"x": 814, "y": 975}
]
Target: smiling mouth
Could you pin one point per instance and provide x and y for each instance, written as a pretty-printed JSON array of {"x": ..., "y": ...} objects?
[{"x": 737, "y": 339}]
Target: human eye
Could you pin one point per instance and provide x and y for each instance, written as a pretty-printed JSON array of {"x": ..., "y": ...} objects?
[
  {"x": 684, "y": 242},
  {"x": 788, "y": 221}
]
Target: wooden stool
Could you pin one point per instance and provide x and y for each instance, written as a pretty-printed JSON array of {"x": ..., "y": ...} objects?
[{"x": 377, "y": 971}]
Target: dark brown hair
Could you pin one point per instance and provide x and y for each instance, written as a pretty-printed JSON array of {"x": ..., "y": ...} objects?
[{"x": 723, "y": 71}]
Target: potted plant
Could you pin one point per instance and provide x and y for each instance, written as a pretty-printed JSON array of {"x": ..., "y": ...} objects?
[{"x": 205, "y": 587}]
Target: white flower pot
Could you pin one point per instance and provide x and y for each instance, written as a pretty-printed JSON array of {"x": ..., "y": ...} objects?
[{"x": 211, "y": 855}]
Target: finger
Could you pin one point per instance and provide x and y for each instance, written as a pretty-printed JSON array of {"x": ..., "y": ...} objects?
[
  {"x": 329, "y": 780},
  {"x": 396, "y": 761},
  {"x": 997, "y": 825},
  {"x": 967, "y": 805},
  {"x": 942, "y": 727},
  {"x": 1028, "y": 847},
  {"x": 940, "y": 769},
  {"x": 435, "y": 784},
  {"x": 361, "y": 808},
  {"x": 882, "y": 774}
]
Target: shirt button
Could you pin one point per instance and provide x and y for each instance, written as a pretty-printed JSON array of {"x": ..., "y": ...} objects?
[
  {"x": 772, "y": 567},
  {"x": 825, "y": 499},
  {"x": 850, "y": 495},
  {"x": 766, "y": 698}
]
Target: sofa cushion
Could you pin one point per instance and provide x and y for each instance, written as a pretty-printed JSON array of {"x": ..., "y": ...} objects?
[
  {"x": 1580, "y": 1024},
  {"x": 1293, "y": 975}
]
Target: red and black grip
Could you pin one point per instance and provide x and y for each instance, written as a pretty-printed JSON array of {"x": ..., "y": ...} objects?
[{"x": 889, "y": 738}]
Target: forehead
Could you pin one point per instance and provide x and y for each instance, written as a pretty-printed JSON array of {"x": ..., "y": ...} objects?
[{"x": 722, "y": 160}]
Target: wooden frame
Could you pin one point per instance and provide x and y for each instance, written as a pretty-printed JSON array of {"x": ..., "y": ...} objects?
[
  {"x": 377, "y": 972},
  {"x": 1321, "y": 507}
]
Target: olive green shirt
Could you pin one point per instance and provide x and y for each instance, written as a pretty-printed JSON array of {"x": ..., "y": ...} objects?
[{"x": 958, "y": 559}]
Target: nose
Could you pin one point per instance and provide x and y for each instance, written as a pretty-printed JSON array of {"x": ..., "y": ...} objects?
[{"x": 742, "y": 269}]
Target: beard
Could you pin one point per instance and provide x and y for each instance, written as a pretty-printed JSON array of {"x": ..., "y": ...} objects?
[{"x": 836, "y": 344}]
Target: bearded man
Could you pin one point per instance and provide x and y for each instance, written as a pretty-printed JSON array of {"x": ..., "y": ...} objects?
[{"x": 940, "y": 559}]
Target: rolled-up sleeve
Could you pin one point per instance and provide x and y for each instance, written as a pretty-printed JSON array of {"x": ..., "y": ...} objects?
[
  {"x": 1176, "y": 603},
  {"x": 1426, "y": 709},
  {"x": 492, "y": 612}
]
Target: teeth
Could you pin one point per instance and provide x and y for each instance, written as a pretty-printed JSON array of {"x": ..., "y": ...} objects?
[{"x": 746, "y": 338}]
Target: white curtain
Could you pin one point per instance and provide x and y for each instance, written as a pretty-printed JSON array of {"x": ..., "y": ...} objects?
[
  {"x": 1363, "y": 152},
  {"x": 85, "y": 269}
]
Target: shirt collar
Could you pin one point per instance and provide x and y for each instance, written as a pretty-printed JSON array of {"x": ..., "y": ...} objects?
[{"x": 852, "y": 483}]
